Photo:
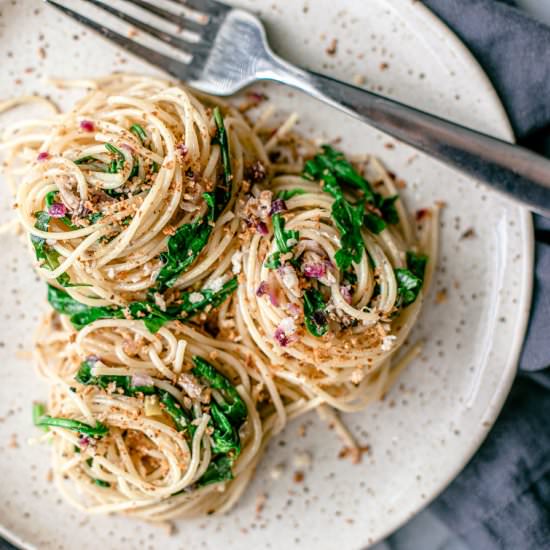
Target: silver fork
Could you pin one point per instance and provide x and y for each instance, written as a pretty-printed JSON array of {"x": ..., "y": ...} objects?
[{"x": 232, "y": 52}]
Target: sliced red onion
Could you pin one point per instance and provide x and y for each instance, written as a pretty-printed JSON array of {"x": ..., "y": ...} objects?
[
  {"x": 281, "y": 337},
  {"x": 345, "y": 291},
  {"x": 314, "y": 271},
  {"x": 57, "y": 210},
  {"x": 278, "y": 206},
  {"x": 262, "y": 289},
  {"x": 83, "y": 442},
  {"x": 92, "y": 358},
  {"x": 140, "y": 380},
  {"x": 43, "y": 155},
  {"x": 285, "y": 333},
  {"x": 261, "y": 228},
  {"x": 87, "y": 126},
  {"x": 182, "y": 149}
]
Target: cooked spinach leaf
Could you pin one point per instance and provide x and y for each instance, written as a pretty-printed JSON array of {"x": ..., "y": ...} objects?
[
  {"x": 188, "y": 305},
  {"x": 84, "y": 376},
  {"x": 117, "y": 164},
  {"x": 45, "y": 253},
  {"x": 233, "y": 405},
  {"x": 228, "y": 412},
  {"x": 183, "y": 249},
  {"x": 314, "y": 313},
  {"x": 99, "y": 430},
  {"x": 218, "y": 470},
  {"x": 411, "y": 279},
  {"x": 139, "y": 132}
]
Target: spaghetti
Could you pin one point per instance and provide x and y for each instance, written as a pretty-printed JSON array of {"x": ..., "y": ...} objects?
[{"x": 210, "y": 278}]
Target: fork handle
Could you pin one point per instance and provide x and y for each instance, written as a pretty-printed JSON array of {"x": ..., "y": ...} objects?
[{"x": 507, "y": 168}]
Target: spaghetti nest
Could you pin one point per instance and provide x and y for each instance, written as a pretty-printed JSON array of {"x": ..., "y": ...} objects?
[
  {"x": 333, "y": 285},
  {"x": 129, "y": 195},
  {"x": 155, "y": 426}
]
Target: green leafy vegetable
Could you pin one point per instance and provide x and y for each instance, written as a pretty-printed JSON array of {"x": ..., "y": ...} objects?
[
  {"x": 84, "y": 376},
  {"x": 233, "y": 406},
  {"x": 273, "y": 261},
  {"x": 410, "y": 280},
  {"x": 222, "y": 192},
  {"x": 183, "y": 249},
  {"x": 218, "y": 470},
  {"x": 375, "y": 224},
  {"x": 101, "y": 483},
  {"x": 349, "y": 220},
  {"x": 228, "y": 412},
  {"x": 38, "y": 411},
  {"x": 99, "y": 430},
  {"x": 118, "y": 164},
  {"x": 314, "y": 313},
  {"x": 46, "y": 254},
  {"x": 139, "y": 132},
  {"x": 179, "y": 415},
  {"x": 285, "y": 240},
  {"x": 148, "y": 312},
  {"x": 417, "y": 263},
  {"x": 332, "y": 169}
]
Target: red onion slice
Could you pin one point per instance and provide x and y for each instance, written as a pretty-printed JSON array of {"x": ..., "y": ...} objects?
[
  {"x": 57, "y": 210},
  {"x": 87, "y": 126}
]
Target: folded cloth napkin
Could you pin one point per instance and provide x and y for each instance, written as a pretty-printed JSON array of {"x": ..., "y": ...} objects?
[{"x": 501, "y": 500}]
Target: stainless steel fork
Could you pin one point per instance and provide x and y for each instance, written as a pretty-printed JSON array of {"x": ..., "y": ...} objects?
[{"x": 232, "y": 52}]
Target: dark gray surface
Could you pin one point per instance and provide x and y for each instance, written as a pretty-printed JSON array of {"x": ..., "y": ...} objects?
[{"x": 502, "y": 499}]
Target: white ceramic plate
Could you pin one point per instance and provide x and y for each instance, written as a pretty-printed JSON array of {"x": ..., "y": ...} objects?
[{"x": 442, "y": 408}]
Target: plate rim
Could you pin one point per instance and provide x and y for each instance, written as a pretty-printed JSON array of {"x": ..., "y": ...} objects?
[
  {"x": 511, "y": 368},
  {"x": 501, "y": 392}
]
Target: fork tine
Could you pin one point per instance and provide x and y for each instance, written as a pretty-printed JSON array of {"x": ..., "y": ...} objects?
[
  {"x": 172, "y": 66},
  {"x": 165, "y": 37},
  {"x": 183, "y": 22},
  {"x": 209, "y": 7}
]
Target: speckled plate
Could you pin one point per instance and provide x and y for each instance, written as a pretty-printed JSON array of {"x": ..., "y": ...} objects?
[{"x": 473, "y": 322}]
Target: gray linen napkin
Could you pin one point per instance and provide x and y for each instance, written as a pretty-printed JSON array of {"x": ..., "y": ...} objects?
[{"x": 502, "y": 498}]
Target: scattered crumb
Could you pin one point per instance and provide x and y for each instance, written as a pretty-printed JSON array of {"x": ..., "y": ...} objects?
[
  {"x": 332, "y": 47},
  {"x": 468, "y": 234},
  {"x": 298, "y": 476},
  {"x": 49, "y": 476},
  {"x": 441, "y": 296},
  {"x": 359, "y": 80},
  {"x": 132, "y": 32},
  {"x": 440, "y": 204},
  {"x": 261, "y": 499},
  {"x": 12, "y": 443},
  {"x": 384, "y": 66},
  {"x": 400, "y": 184},
  {"x": 389, "y": 145},
  {"x": 355, "y": 454}
]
